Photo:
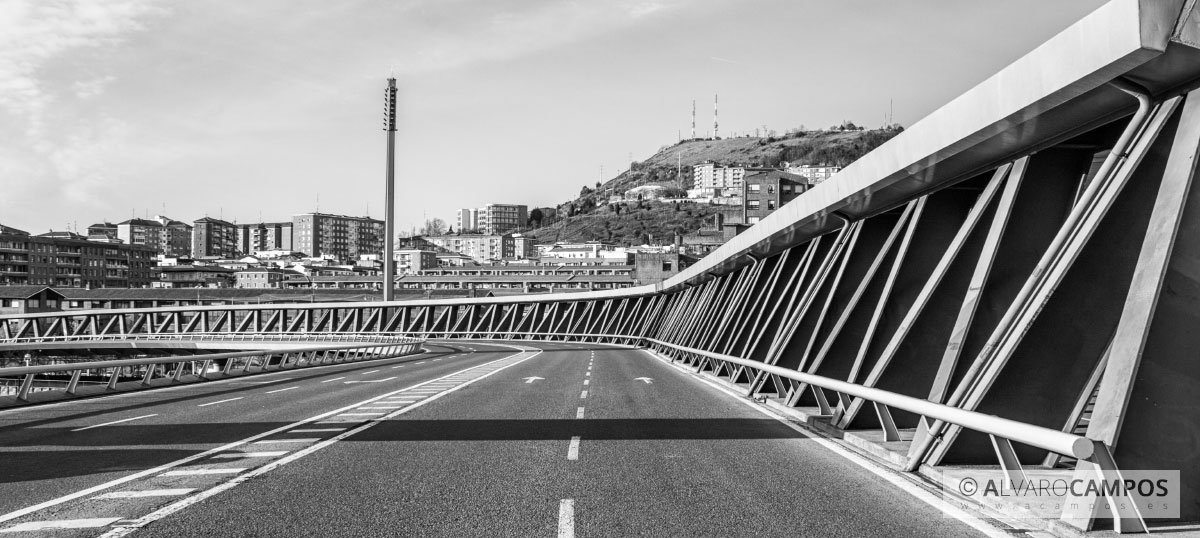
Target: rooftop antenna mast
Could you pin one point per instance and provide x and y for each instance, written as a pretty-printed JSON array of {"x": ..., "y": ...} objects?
[
  {"x": 389, "y": 125},
  {"x": 716, "y": 130},
  {"x": 693, "y": 119}
]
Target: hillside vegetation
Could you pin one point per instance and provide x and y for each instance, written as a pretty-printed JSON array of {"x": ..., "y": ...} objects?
[{"x": 590, "y": 216}]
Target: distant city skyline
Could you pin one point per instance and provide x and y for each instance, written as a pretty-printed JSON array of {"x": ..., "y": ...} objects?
[{"x": 251, "y": 112}]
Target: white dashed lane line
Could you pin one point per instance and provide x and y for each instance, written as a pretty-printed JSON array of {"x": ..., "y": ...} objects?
[
  {"x": 573, "y": 449},
  {"x": 280, "y": 390},
  {"x": 566, "y": 518},
  {"x": 220, "y": 401},
  {"x": 297, "y": 440},
  {"x": 334, "y": 379},
  {"x": 583, "y": 395},
  {"x": 371, "y": 372},
  {"x": 316, "y": 430},
  {"x": 579, "y": 413},
  {"x": 113, "y": 422}
]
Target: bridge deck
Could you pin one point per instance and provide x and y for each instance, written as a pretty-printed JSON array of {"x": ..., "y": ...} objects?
[{"x": 651, "y": 457}]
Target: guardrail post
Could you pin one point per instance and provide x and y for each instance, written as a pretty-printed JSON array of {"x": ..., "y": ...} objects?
[
  {"x": 178, "y": 372},
  {"x": 23, "y": 393},
  {"x": 1008, "y": 461},
  {"x": 228, "y": 366},
  {"x": 112, "y": 379},
  {"x": 204, "y": 369},
  {"x": 890, "y": 432},
  {"x": 149, "y": 373},
  {"x": 74, "y": 381}
]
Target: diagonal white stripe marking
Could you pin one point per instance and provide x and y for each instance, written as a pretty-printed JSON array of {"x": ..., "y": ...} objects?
[
  {"x": 145, "y": 493},
  {"x": 317, "y": 430},
  {"x": 193, "y": 472},
  {"x": 62, "y": 524},
  {"x": 267, "y": 454},
  {"x": 296, "y": 440}
]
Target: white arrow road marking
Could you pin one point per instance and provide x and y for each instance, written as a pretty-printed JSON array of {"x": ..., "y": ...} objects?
[
  {"x": 113, "y": 422},
  {"x": 531, "y": 379},
  {"x": 370, "y": 380},
  {"x": 648, "y": 380}
]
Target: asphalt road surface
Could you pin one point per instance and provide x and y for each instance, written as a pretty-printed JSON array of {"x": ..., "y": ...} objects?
[{"x": 467, "y": 439}]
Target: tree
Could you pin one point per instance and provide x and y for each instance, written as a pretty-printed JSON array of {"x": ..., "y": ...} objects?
[
  {"x": 434, "y": 226},
  {"x": 585, "y": 191},
  {"x": 535, "y": 218}
]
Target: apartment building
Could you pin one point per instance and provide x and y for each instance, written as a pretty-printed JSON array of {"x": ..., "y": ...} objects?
[
  {"x": 264, "y": 236},
  {"x": 764, "y": 192},
  {"x": 66, "y": 259},
  {"x": 480, "y": 247},
  {"x": 342, "y": 237},
  {"x": 214, "y": 237},
  {"x": 410, "y": 261},
  {"x": 492, "y": 219},
  {"x": 814, "y": 173},
  {"x": 165, "y": 235}
]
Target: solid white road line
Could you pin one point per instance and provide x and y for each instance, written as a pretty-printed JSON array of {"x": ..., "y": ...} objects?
[
  {"x": 63, "y": 524},
  {"x": 145, "y": 493},
  {"x": 220, "y": 401},
  {"x": 280, "y": 390},
  {"x": 579, "y": 413},
  {"x": 583, "y": 395},
  {"x": 197, "y": 472},
  {"x": 296, "y": 440},
  {"x": 266, "y": 454},
  {"x": 573, "y": 449},
  {"x": 334, "y": 379},
  {"x": 316, "y": 430},
  {"x": 113, "y": 422},
  {"x": 566, "y": 518}
]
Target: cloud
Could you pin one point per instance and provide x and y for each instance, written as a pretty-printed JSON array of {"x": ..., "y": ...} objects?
[
  {"x": 510, "y": 30},
  {"x": 36, "y": 33}
]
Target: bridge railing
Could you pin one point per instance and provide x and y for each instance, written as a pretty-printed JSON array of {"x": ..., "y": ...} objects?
[
  {"x": 217, "y": 337},
  {"x": 243, "y": 362}
]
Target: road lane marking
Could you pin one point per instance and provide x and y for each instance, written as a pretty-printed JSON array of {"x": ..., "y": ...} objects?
[
  {"x": 587, "y": 381},
  {"x": 334, "y": 379},
  {"x": 126, "y": 529},
  {"x": 371, "y": 372},
  {"x": 583, "y": 395},
  {"x": 220, "y": 401},
  {"x": 296, "y": 440},
  {"x": 435, "y": 360},
  {"x": 573, "y": 449},
  {"x": 265, "y": 454},
  {"x": 113, "y": 422},
  {"x": 386, "y": 407},
  {"x": 317, "y": 430},
  {"x": 145, "y": 493},
  {"x": 197, "y": 472},
  {"x": 422, "y": 362},
  {"x": 588, "y": 374},
  {"x": 566, "y": 518},
  {"x": 360, "y": 414},
  {"x": 579, "y": 412},
  {"x": 63, "y": 524},
  {"x": 370, "y": 380},
  {"x": 281, "y": 390},
  {"x": 900, "y": 480},
  {"x": 394, "y": 367}
]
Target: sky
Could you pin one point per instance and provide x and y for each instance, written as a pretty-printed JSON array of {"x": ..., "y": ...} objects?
[{"x": 256, "y": 111}]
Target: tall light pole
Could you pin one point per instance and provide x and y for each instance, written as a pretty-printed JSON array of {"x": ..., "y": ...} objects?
[{"x": 389, "y": 125}]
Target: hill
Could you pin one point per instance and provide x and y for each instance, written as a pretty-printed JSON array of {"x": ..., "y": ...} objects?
[{"x": 590, "y": 216}]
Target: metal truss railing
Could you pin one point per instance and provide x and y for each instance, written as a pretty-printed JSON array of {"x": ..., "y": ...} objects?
[
  {"x": 217, "y": 337},
  {"x": 236, "y": 362}
]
